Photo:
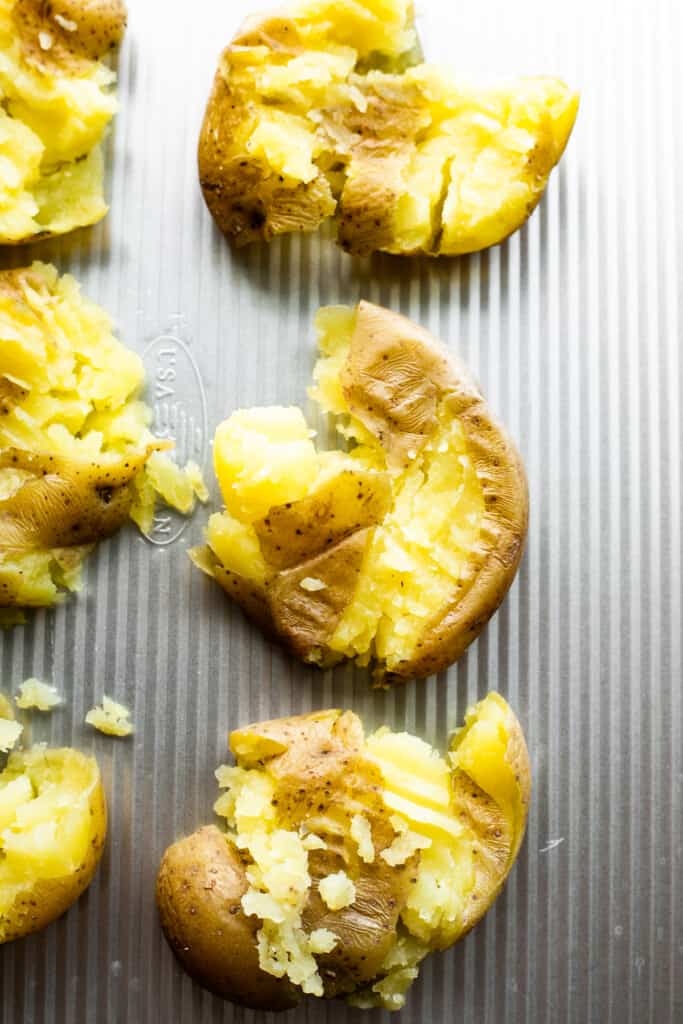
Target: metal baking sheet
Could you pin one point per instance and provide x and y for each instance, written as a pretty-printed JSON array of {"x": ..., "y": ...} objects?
[{"x": 574, "y": 328}]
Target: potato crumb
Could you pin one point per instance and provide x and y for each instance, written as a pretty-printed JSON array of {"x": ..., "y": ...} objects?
[
  {"x": 337, "y": 890},
  {"x": 35, "y": 694},
  {"x": 404, "y": 845},
  {"x": 322, "y": 940},
  {"x": 176, "y": 486},
  {"x": 362, "y": 835},
  {"x": 194, "y": 475},
  {"x": 313, "y": 842},
  {"x": 312, "y": 584},
  {"x": 65, "y": 23},
  {"x": 46, "y": 40},
  {"x": 262, "y": 904},
  {"x": 111, "y": 718},
  {"x": 9, "y": 734}
]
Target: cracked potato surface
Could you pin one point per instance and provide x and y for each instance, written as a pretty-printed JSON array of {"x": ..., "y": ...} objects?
[{"x": 325, "y": 109}]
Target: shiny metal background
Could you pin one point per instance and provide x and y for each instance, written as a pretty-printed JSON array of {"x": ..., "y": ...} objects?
[{"x": 574, "y": 328}]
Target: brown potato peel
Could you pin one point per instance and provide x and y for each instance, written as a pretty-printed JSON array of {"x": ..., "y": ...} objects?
[{"x": 63, "y": 507}]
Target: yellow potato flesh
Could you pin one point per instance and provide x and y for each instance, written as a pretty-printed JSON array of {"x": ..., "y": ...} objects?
[
  {"x": 48, "y": 124},
  {"x": 264, "y": 458},
  {"x": 45, "y": 824},
  {"x": 420, "y": 557}
]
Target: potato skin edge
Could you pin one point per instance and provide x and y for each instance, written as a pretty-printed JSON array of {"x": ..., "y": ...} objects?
[
  {"x": 517, "y": 755},
  {"x": 200, "y": 883}
]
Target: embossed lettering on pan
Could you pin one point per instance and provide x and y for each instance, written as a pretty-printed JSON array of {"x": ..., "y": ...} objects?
[{"x": 176, "y": 395}]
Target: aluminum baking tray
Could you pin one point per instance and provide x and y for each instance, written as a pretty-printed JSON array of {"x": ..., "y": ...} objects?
[{"x": 574, "y": 329}]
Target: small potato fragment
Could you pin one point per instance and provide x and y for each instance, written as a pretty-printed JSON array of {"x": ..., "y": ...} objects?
[
  {"x": 293, "y": 901},
  {"x": 10, "y": 733},
  {"x": 33, "y": 693},
  {"x": 110, "y": 718}
]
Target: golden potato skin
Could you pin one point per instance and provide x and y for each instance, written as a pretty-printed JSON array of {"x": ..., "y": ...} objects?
[
  {"x": 63, "y": 507},
  {"x": 48, "y": 899},
  {"x": 64, "y": 502},
  {"x": 199, "y": 886},
  {"x": 350, "y": 501},
  {"x": 394, "y": 377},
  {"x": 305, "y": 619}
]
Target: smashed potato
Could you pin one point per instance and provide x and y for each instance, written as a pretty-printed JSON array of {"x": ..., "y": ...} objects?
[
  {"x": 53, "y": 823},
  {"x": 347, "y": 858},
  {"x": 74, "y": 437},
  {"x": 396, "y": 552},
  {"x": 56, "y": 101},
  {"x": 325, "y": 108}
]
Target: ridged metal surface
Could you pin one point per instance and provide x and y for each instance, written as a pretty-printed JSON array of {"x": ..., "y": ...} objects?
[{"x": 574, "y": 328}]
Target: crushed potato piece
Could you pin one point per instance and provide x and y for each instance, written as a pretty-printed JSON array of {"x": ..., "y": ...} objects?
[
  {"x": 9, "y": 734},
  {"x": 303, "y": 882},
  {"x": 312, "y": 584},
  {"x": 35, "y": 694},
  {"x": 262, "y": 904},
  {"x": 110, "y": 718},
  {"x": 404, "y": 845},
  {"x": 337, "y": 890},
  {"x": 322, "y": 940},
  {"x": 177, "y": 487},
  {"x": 344, "y": 116},
  {"x": 362, "y": 835}
]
